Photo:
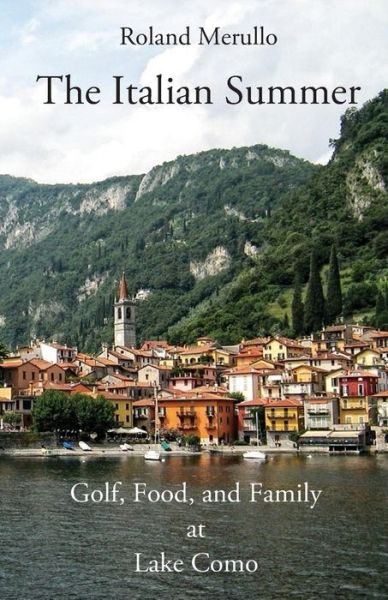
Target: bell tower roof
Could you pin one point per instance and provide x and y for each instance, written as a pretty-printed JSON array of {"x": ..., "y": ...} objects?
[{"x": 123, "y": 288}]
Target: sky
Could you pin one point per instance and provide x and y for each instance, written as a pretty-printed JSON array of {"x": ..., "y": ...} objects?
[{"x": 320, "y": 42}]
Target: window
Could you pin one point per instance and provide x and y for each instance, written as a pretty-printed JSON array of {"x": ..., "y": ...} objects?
[
  {"x": 26, "y": 404},
  {"x": 127, "y": 418},
  {"x": 128, "y": 312},
  {"x": 119, "y": 313},
  {"x": 24, "y": 375},
  {"x": 117, "y": 407},
  {"x": 127, "y": 407},
  {"x": 360, "y": 389},
  {"x": 33, "y": 375},
  {"x": 52, "y": 376}
]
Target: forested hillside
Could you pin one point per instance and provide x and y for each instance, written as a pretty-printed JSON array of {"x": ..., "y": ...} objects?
[{"x": 212, "y": 239}]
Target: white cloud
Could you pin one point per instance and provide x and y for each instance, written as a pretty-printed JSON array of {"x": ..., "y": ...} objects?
[{"x": 319, "y": 43}]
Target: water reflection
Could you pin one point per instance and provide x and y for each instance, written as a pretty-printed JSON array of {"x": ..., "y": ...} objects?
[{"x": 54, "y": 549}]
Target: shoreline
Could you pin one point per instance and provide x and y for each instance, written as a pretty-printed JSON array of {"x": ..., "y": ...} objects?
[{"x": 138, "y": 451}]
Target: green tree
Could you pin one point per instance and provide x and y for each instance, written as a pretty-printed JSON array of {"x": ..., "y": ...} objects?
[
  {"x": 297, "y": 308},
  {"x": 3, "y": 352},
  {"x": 57, "y": 411},
  {"x": 314, "y": 308},
  {"x": 239, "y": 396},
  {"x": 103, "y": 413},
  {"x": 12, "y": 419},
  {"x": 94, "y": 415},
  {"x": 334, "y": 293},
  {"x": 54, "y": 411},
  {"x": 381, "y": 313}
]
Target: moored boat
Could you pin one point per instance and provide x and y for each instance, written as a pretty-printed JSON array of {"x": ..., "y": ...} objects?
[
  {"x": 84, "y": 446},
  {"x": 152, "y": 455},
  {"x": 255, "y": 455},
  {"x": 68, "y": 445}
]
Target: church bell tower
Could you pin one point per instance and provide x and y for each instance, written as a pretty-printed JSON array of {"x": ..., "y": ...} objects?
[{"x": 124, "y": 317}]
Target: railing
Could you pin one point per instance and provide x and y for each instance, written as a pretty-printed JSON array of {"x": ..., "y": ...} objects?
[
  {"x": 249, "y": 427},
  {"x": 187, "y": 413},
  {"x": 284, "y": 416},
  {"x": 318, "y": 411},
  {"x": 186, "y": 426},
  {"x": 271, "y": 428},
  {"x": 211, "y": 426}
]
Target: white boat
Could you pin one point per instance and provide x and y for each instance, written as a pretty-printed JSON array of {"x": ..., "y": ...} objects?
[
  {"x": 255, "y": 455},
  {"x": 152, "y": 455},
  {"x": 84, "y": 446},
  {"x": 125, "y": 447}
]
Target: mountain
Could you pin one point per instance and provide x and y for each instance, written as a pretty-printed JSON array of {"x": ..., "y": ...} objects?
[
  {"x": 179, "y": 232},
  {"x": 344, "y": 202},
  {"x": 209, "y": 242}
]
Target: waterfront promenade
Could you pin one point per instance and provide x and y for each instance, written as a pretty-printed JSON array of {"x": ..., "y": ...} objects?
[{"x": 110, "y": 450}]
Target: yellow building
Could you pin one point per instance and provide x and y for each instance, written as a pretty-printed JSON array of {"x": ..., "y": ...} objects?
[
  {"x": 6, "y": 401},
  {"x": 206, "y": 352},
  {"x": 354, "y": 410},
  {"x": 369, "y": 358},
  {"x": 332, "y": 385},
  {"x": 283, "y": 417},
  {"x": 123, "y": 408},
  {"x": 281, "y": 348}
]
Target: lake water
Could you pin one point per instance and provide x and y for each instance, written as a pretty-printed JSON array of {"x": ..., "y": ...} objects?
[{"x": 53, "y": 548}]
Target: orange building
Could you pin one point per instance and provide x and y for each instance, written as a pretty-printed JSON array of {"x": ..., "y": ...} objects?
[{"x": 206, "y": 414}]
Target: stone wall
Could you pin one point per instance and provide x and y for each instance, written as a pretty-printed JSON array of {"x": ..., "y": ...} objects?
[{"x": 19, "y": 440}]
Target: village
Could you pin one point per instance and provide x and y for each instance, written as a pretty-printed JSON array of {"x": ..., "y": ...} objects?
[{"x": 327, "y": 392}]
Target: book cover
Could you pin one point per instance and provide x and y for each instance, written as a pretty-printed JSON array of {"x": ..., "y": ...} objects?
[{"x": 194, "y": 300}]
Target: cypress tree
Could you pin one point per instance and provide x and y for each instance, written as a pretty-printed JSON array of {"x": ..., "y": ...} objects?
[
  {"x": 381, "y": 318},
  {"x": 334, "y": 293},
  {"x": 314, "y": 308},
  {"x": 297, "y": 308}
]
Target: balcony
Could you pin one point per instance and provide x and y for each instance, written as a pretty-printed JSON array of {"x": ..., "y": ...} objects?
[
  {"x": 186, "y": 413},
  {"x": 210, "y": 414},
  {"x": 276, "y": 428},
  {"x": 318, "y": 411},
  {"x": 283, "y": 416},
  {"x": 354, "y": 407},
  {"x": 211, "y": 425},
  {"x": 249, "y": 427},
  {"x": 186, "y": 426}
]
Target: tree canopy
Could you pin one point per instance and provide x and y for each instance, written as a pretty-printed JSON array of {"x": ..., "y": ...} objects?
[{"x": 57, "y": 411}]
